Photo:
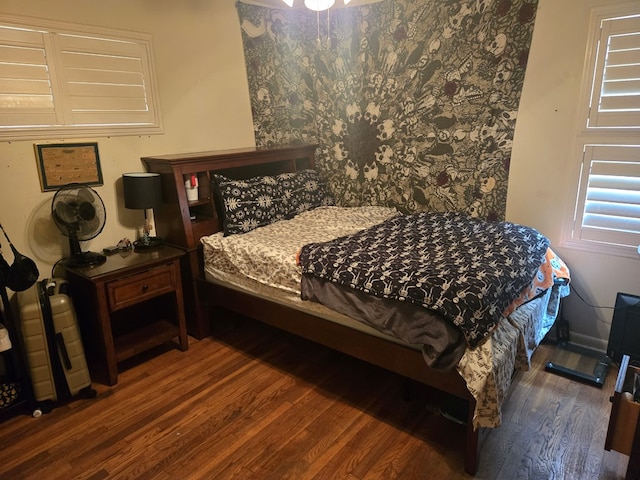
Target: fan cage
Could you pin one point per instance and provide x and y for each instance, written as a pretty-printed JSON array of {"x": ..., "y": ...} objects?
[{"x": 79, "y": 213}]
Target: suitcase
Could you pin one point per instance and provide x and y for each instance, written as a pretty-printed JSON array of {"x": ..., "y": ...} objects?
[{"x": 53, "y": 343}]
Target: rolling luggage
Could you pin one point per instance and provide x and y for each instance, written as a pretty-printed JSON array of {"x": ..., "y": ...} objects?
[{"x": 53, "y": 343}]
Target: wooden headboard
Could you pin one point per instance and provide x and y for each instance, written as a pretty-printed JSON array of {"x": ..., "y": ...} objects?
[{"x": 182, "y": 223}]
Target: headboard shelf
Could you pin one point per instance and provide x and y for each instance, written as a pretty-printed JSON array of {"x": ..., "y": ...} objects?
[{"x": 174, "y": 219}]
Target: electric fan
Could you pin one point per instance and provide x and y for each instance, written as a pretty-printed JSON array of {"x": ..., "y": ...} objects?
[{"x": 79, "y": 213}]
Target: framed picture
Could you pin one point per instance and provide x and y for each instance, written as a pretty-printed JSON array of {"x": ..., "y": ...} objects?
[{"x": 63, "y": 163}]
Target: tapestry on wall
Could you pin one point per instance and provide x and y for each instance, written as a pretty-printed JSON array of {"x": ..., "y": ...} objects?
[{"x": 413, "y": 103}]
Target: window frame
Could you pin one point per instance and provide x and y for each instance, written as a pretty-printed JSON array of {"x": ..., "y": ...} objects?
[
  {"x": 589, "y": 135},
  {"x": 128, "y": 124}
]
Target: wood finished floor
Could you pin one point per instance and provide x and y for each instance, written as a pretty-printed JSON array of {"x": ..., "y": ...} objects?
[{"x": 255, "y": 403}]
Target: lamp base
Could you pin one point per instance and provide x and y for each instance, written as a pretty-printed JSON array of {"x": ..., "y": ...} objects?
[{"x": 147, "y": 244}]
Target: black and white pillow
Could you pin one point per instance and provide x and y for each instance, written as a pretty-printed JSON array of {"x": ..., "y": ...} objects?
[
  {"x": 248, "y": 204},
  {"x": 252, "y": 203},
  {"x": 302, "y": 191}
]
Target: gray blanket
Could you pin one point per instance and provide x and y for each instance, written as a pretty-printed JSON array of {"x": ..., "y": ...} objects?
[{"x": 442, "y": 344}]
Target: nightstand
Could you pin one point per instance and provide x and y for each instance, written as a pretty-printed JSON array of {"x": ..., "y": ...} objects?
[{"x": 127, "y": 305}]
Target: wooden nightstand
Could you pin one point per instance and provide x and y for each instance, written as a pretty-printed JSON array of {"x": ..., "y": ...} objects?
[{"x": 127, "y": 305}]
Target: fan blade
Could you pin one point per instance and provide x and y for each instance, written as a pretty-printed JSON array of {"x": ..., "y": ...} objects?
[
  {"x": 85, "y": 195},
  {"x": 65, "y": 212},
  {"x": 88, "y": 228}
]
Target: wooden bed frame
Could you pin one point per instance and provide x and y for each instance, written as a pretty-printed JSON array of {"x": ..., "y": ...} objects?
[{"x": 182, "y": 223}]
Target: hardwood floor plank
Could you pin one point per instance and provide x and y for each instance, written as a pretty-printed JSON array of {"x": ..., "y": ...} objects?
[
  {"x": 143, "y": 422},
  {"x": 249, "y": 407},
  {"x": 591, "y": 430},
  {"x": 246, "y": 428},
  {"x": 348, "y": 457},
  {"x": 268, "y": 444},
  {"x": 336, "y": 428},
  {"x": 400, "y": 462},
  {"x": 366, "y": 445},
  {"x": 255, "y": 403}
]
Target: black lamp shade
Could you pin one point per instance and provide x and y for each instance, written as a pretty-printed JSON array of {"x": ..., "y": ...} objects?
[{"x": 142, "y": 190}]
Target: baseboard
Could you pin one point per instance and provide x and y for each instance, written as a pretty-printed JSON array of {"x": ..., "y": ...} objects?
[
  {"x": 589, "y": 342},
  {"x": 585, "y": 341}
]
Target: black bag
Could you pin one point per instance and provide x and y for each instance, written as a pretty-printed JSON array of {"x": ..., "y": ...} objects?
[{"x": 22, "y": 273}]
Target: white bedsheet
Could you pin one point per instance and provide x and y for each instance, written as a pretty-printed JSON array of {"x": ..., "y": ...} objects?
[{"x": 268, "y": 254}]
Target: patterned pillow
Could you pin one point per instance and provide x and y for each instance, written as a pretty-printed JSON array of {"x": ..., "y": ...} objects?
[
  {"x": 248, "y": 204},
  {"x": 258, "y": 201},
  {"x": 303, "y": 191}
]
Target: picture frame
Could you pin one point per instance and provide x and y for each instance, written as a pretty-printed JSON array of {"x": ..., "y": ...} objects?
[{"x": 62, "y": 163}]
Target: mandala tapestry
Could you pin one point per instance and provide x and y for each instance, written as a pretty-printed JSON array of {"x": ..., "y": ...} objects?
[{"x": 413, "y": 103}]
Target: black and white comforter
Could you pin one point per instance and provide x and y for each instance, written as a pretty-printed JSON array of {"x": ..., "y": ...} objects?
[{"x": 468, "y": 270}]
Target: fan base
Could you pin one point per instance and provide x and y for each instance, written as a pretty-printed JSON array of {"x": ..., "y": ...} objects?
[
  {"x": 85, "y": 259},
  {"x": 152, "y": 242}
]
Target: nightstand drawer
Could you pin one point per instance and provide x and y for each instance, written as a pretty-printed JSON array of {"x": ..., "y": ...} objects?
[{"x": 139, "y": 287}]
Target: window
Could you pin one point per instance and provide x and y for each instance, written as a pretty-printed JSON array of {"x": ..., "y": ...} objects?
[
  {"x": 615, "y": 98},
  {"x": 607, "y": 211},
  {"x": 609, "y": 199},
  {"x": 61, "y": 80}
]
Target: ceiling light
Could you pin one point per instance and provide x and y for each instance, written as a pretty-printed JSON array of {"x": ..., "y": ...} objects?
[{"x": 317, "y": 5}]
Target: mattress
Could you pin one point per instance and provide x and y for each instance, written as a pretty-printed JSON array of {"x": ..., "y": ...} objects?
[{"x": 263, "y": 263}]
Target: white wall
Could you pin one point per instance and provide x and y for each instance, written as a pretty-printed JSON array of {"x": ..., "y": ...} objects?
[
  {"x": 204, "y": 101},
  {"x": 205, "y": 106},
  {"x": 544, "y": 166}
]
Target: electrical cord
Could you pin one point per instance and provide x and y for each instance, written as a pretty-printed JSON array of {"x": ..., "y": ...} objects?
[
  {"x": 575, "y": 290},
  {"x": 55, "y": 265}
]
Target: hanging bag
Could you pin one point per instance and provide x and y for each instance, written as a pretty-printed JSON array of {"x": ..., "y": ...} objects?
[
  {"x": 22, "y": 273},
  {"x": 5, "y": 268}
]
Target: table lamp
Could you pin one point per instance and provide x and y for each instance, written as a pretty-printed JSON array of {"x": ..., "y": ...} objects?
[{"x": 142, "y": 191}]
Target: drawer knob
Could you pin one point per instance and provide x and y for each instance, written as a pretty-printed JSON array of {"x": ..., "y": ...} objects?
[{"x": 145, "y": 287}]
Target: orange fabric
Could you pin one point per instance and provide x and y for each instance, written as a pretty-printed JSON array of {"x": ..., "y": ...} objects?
[{"x": 553, "y": 267}]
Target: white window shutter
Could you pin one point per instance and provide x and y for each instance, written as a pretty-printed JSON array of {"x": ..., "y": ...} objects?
[
  {"x": 615, "y": 100},
  {"x": 606, "y": 214},
  {"x": 26, "y": 97},
  {"x": 57, "y": 81},
  {"x": 609, "y": 202},
  {"x": 104, "y": 80}
]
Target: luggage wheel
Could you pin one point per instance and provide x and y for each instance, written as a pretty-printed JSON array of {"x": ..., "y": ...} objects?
[{"x": 41, "y": 410}]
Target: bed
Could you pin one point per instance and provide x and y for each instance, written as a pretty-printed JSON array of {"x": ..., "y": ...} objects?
[{"x": 256, "y": 270}]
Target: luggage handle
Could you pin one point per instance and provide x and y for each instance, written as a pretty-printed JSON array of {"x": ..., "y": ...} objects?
[
  {"x": 60, "y": 380},
  {"x": 63, "y": 351}
]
